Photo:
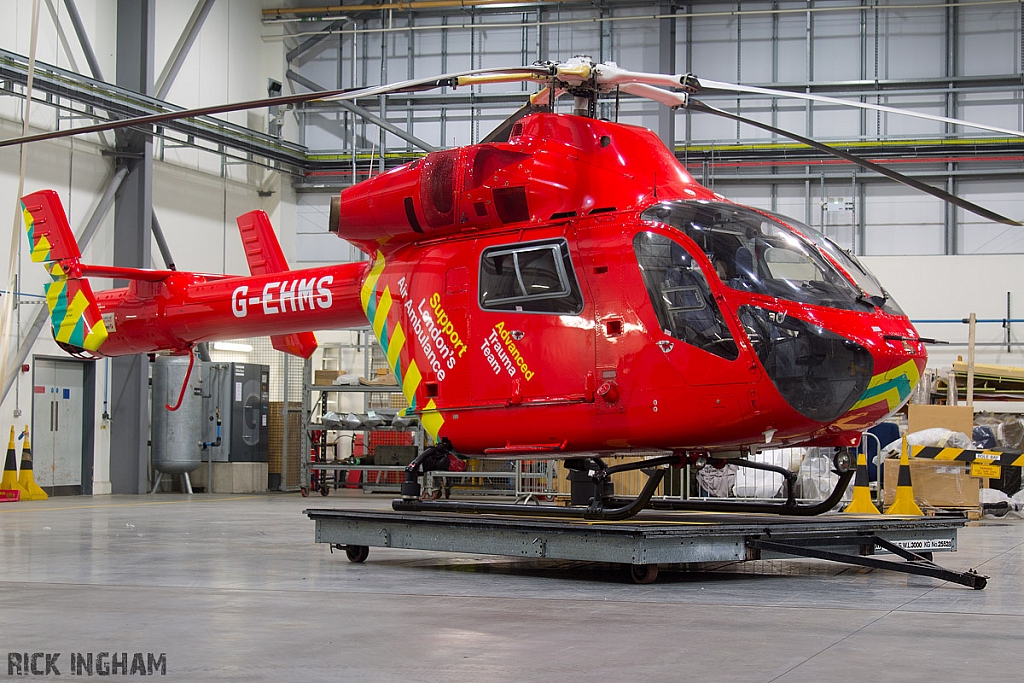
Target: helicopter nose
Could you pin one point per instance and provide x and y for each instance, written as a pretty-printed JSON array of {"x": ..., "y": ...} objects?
[
  {"x": 899, "y": 360},
  {"x": 819, "y": 373}
]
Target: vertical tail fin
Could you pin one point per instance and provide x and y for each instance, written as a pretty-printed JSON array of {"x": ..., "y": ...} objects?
[
  {"x": 74, "y": 315},
  {"x": 262, "y": 250},
  {"x": 264, "y": 255}
]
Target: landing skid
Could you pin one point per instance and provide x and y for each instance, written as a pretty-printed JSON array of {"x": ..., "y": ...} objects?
[
  {"x": 577, "y": 532},
  {"x": 605, "y": 507},
  {"x": 597, "y": 510}
]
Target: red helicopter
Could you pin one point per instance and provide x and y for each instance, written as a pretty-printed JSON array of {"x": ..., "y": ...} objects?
[{"x": 564, "y": 289}]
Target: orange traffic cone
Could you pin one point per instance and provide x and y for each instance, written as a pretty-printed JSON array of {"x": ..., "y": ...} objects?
[
  {"x": 9, "y": 482},
  {"x": 27, "y": 477},
  {"x": 861, "y": 503},
  {"x": 904, "y": 503}
]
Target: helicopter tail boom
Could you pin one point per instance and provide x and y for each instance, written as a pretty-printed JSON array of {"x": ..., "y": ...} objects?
[{"x": 169, "y": 310}]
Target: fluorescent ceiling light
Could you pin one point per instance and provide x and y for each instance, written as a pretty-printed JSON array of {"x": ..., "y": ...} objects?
[{"x": 232, "y": 346}]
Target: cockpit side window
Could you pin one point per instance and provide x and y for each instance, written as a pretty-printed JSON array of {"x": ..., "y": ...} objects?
[
  {"x": 681, "y": 297},
  {"x": 531, "y": 277}
]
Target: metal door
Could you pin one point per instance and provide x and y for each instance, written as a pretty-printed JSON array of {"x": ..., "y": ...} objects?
[{"x": 58, "y": 403}]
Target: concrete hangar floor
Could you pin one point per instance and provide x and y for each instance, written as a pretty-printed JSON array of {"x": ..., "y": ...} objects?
[{"x": 234, "y": 588}]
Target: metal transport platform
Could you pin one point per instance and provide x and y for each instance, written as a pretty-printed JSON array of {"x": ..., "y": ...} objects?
[{"x": 903, "y": 544}]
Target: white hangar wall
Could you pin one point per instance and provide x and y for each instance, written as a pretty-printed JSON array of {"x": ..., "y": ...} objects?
[{"x": 195, "y": 198}]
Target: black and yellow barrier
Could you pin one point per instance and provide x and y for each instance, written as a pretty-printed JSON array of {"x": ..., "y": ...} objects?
[{"x": 982, "y": 463}]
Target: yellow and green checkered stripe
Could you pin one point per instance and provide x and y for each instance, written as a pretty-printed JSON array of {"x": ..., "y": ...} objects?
[
  {"x": 967, "y": 455},
  {"x": 893, "y": 387},
  {"x": 39, "y": 245},
  {"x": 74, "y": 316},
  {"x": 377, "y": 304}
]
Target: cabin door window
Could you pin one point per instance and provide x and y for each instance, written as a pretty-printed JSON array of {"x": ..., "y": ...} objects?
[{"x": 679, "y": 292}]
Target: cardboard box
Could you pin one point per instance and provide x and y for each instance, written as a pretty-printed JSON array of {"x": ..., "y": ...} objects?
[
  {"x": 957, "y": 418},
  {"x": 936, "y": 483},
  {"x": 325, "y": 378}
]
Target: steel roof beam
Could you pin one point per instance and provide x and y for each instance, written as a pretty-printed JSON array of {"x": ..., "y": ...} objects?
[
  {"x": 121, "y": 102},
  {"x": 182, "y": 47},
  {"x": 309, "y": 43},
  {"x": 83, "y": 39}
]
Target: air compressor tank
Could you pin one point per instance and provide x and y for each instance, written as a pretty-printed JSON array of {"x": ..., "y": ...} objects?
[{"x": 175, "y": 434}]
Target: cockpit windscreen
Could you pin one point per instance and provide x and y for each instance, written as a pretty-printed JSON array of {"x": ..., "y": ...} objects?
[{"x": 757, "y": 252}]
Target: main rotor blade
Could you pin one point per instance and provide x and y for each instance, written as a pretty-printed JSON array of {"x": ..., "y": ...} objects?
[
  {"x": 452, "y": 80},
  {"x": 666, "y": 97},
  {"x": 732, "y": 87},
  {"x": 697, "y": 105},
  {"x": 414, "y": 85}
]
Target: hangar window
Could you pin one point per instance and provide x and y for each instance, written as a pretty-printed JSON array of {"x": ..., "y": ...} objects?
[{"x": 533, "y": 277}]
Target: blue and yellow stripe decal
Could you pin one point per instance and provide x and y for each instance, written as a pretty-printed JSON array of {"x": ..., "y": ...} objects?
[
  {"x": 892, "y": 387},
  {"x": 377, "y": 305}
]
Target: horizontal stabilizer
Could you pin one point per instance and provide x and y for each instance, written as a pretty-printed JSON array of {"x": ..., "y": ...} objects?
[
  {"x": 301, "y": 344},
  {"x": 74, "y": 315},
  {"x": 122, "y": 273}
]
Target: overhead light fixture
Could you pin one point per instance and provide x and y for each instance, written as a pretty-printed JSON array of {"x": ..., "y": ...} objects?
[{"x": 232, "y": 346}]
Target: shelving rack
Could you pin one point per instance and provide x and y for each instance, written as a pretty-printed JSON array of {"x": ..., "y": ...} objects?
[{"x": 315, "y": 455}]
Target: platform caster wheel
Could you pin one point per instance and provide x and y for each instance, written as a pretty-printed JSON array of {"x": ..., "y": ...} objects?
[
  {"x": 304, "y": 491},
  {"x": 435, "y": 494},
  {"x": 325, "y": 491},
  {"x": 357, "y": 553},
  {"x": 643, "y": 573}
]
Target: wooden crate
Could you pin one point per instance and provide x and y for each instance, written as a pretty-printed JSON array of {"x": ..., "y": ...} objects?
[{"x": 275, "y": 430}]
